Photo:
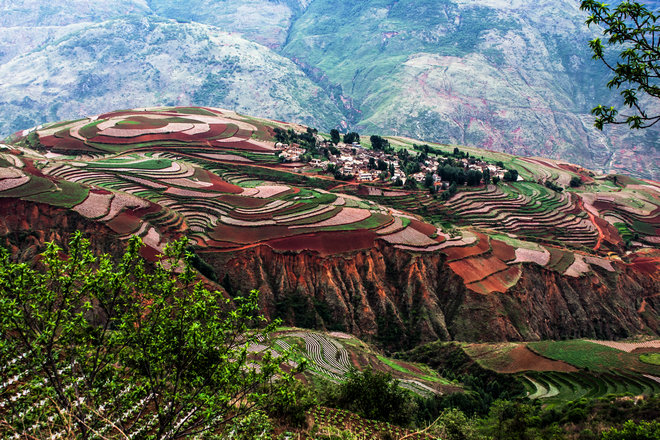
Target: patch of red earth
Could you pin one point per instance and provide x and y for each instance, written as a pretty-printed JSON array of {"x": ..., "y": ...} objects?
[
  {"x": 57, "y": 144},
  {"x": 646, "y": 264},
  {"x": 460, "y": 252},
  {"x": 247, "y": 235},
  {"x": 149, "y": 253},
  {"x": 242, "y": 145},
  {"x": 497, "y": 282},
  {"x": 101, "y": 191},
  {"x": 243, "y": 202},
  {"x": 141, "y": 212},
  {"x": 124, "y": 223},
  {"x": 31, "y": 169},
  {"x": 291, "y": 165},
  {"x": 326, "y": 243},
  {"x": 477, "y": 268},
  {"x": 610, "y": 233},
  {"x": 409, "y": 367},
  {"x": 502, "y": 250},
  {"x": 221, "y": 244},
  {"x": 219, "y": 184},
  {"x": 524, "y": 359},
  {"x": 424, "y": 228}
]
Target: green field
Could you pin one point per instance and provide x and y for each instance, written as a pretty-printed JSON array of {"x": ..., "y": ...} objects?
[
  {"x": 592, "y": 356},
  {"x": 650, "y": 358}
]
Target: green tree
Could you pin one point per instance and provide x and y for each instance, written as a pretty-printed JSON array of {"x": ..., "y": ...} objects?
[
  {"x": 511, "y": 176},
  {"x": 630, "y": 28},
  {"x": 486, "y": 176},
  {"x": 453, "y": 424},
  {"x": 351, "y": 137},
  {"x": 375, "y": 395},
  {"x": 334, "y": 136},
  {"x": 98, "y": 347},
  {"x": 631, "y": 430}
]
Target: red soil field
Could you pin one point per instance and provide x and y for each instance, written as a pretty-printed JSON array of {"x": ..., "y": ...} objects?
[
  {"x": 242, "y": 145},
  {"x": 458, "y": 252},
  {"x": 141, "y": 212},
  {"x": 502, "y": 250},
  {"x": 69, "y": 144},
  {"x": 219, "y": 184},
  {"x": 124, "y": 223},
  {"x": 102, "y": 191},
  {"x": 524, "y": 359},
  {"x": 610, "y": 233},
  {"x": 646, "y": 264},
  {"x": 326, "y": 243},
  {"x": 424, "y": 228},
  {"x": 149, "y": 253},
  {"x": 30, "y": 168},
  {"x": 243, "y": 202},
  {"x": 478, "y": 268},
  {"x": 247, "y": 235},
  {"x": 497, "y": 282}
]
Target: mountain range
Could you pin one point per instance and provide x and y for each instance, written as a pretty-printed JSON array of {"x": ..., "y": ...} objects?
[{"x": 508, "y": 76}]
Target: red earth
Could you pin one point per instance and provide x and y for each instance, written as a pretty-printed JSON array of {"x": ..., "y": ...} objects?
[
  {"x": 524, "y": 359},
  {"x": 477, "y": 268},
  {"x": 460, "y": 252},
  {"x": 502, "y": 250},
  {"x": 326, "y": 243}
]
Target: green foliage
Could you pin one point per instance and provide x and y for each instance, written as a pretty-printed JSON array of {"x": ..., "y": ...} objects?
[
  {"x": 290, "y": 403},
  {"x": 379, "y": 143},
  {"x": 650, "y": 358},
  {"x": 634, "y": 431},
  {"x": 575, "y": 182},
  {"x": 374, "y": 395},
  {"x": 453, "y": 424},
  {"x": 351, "y": 137},
  {"x": 120, "y": 341},
  {"x": 334, "y": 136},
  {"x": 450, "y": 192},
  {"x": 553, "y": 186},
  {"x": 631, "y": 28},
  {"x": 253, "y": 426},
  {"x": 511, "y": 176},
  {"x": 484, "y": 386}
]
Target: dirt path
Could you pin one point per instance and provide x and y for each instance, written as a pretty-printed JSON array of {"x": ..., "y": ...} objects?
[
  {"x": 592, "y": 217},
  {"x": 628, "y": 346}
]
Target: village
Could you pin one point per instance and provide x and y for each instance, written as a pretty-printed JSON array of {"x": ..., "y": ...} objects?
[{"x": 355, "y": 162}]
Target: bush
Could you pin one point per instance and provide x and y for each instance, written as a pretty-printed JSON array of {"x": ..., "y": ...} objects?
[{"x": 375, "y": 395}]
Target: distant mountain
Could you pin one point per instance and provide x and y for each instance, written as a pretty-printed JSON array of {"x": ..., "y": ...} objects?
[
  {"x": 514, "y": 76},
  {"x": 140, "y": 61}
]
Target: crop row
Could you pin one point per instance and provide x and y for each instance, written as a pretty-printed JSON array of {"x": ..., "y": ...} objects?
[{"x": 557, "y": 386}]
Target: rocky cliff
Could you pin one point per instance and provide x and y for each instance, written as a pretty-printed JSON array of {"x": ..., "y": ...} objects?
[{"x": 401, "y": 298}]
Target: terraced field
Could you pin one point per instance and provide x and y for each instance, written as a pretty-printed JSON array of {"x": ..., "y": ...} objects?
[
  {"x": 331, "y": 355},
  {"x": 213, "y": 175},
  {"x": 559, "y": 371}
]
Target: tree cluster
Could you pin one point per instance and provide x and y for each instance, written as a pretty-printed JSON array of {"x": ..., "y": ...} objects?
[{"x": 100, "y": 339}]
